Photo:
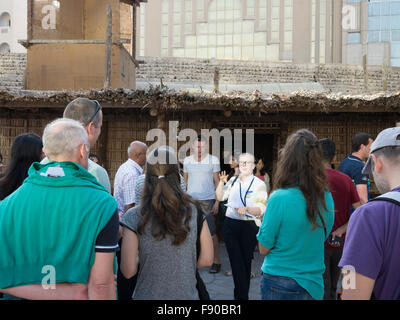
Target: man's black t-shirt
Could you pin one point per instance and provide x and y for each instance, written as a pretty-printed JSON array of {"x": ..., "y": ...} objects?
[{"x": 107, "y": 240}]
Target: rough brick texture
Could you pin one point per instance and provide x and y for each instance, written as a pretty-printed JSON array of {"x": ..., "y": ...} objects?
[
  {"x": 12, "y": 71},
  {"x": 335, "y": 78}
]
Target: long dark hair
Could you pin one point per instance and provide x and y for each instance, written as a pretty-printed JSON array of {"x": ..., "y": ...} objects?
[
  {"x": 300, "y": 165},
  {"x": 26, "y": 149},
  {"x": 164, "y": 203},
  {"x": 263, "y": 170},
  {"x": 234, "y": 158}
]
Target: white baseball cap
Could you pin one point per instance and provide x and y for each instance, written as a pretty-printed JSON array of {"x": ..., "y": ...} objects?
[{"x": 387, "y": 138}]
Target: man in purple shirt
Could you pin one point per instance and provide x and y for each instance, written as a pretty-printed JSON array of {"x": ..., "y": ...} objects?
[{"x": 371, "y": 256}]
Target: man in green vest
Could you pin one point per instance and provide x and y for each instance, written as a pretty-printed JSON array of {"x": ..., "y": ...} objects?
[{"x": 59, "y": 230}]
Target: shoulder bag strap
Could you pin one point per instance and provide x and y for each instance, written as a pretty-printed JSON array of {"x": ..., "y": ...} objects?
[{"x": 392, "y": 196}]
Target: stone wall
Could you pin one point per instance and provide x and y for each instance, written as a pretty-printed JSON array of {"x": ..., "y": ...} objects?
[
  {"x": 334, "y": 77},
  {"x": 12, "y": 71}
]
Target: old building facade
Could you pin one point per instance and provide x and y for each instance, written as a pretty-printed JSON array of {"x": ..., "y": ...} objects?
[
  {"x": 13, "y": 15},
  {"x": 132, "y": 115}
]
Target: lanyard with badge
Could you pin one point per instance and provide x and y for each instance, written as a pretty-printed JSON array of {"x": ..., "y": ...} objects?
[{"x": 240, "y": 186}]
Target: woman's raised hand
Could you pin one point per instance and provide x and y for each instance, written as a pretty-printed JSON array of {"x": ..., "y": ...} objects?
[{"x": 223, "y": 177}]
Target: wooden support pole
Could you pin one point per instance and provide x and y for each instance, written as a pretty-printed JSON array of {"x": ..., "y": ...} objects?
[
  {"x": 364, "y": 63},
  {"x": 29, "y": 35},
  {"x": 216, "y": 80},
  {"x": 133, "y": 37},
  {"x": 107, "y": 80},
  {"x": 161, "y": 123},
  {"x": 30, "y": 21},
  {"x": 103, "y": 145},
  {"x": 384, "y": 75}
]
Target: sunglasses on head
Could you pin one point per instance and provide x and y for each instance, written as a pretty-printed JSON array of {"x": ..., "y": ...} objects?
[{"x": 98, "y": 107}]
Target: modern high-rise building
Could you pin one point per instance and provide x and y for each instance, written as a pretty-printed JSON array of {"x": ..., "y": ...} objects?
[
  {"x": 299, "y": 31},
  {"x": 13, "y": 20},
  {"x": 383, "y": 30},
  {"x": 371, "y": 29}
]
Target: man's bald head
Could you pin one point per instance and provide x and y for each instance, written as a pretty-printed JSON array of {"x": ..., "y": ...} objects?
[
  {"x": 83, "y": 110},
  {"x": 137, "y": 152},
  {"x": 88, "y": 113}
]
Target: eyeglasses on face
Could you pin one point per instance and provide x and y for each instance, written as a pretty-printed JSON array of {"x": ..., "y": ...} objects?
[
  {"x": 98, "y": 108},
  {"x": 245, "y": 163}
]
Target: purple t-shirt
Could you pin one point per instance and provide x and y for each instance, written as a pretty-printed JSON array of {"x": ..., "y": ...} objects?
[{"x": 373, "y": 246}]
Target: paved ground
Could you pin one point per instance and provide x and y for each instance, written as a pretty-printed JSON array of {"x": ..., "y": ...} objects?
[{"x": 220, "y": 287}]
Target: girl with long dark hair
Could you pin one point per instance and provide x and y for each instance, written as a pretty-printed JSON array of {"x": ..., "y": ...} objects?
[
  {"x": 261, "y": 173},
  {"x": 297, "y": 221},
  {"x": 26, "y": 149},
  {"x": 163, "y": 231}
]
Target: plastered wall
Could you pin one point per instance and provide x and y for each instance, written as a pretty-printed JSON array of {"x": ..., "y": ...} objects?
[{"x": 70, "y": 67}]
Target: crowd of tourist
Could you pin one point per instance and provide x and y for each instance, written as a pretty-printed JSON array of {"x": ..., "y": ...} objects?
[{"x": 63, "y": 226}]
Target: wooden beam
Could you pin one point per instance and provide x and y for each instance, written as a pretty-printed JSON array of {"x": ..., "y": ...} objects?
[
  {"x": 102, "y": 142},
  {"x": 47, "y": 104},
  {"x": 107, "y": 80},
  {"x": 216, "y": 80},
  {"x": 77, "y": 41},
  {"x": 364, "y": 63},
  {"x": 132, "y": 2},
  {"x": 28, "y": 43},
  {"x": 384, "y": 75},
  {"x": 133, "y": 36},
  {"x": 129, "y": 55},
  {"x": 30, "y": 21}
]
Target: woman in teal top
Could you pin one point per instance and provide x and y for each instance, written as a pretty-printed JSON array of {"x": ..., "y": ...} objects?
[{"x": 297, "y": 221}]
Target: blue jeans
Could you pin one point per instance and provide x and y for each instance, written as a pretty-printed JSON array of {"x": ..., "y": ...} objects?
[{"x": 282, "y": 288}]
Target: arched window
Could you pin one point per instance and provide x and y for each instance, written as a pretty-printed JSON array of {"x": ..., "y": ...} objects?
[
  {"x": 4, "y": 48},
  {"x": 5, "y": 20}
]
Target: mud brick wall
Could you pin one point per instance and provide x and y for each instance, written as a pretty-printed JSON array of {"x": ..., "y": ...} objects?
[
  {"x": 334, "y": 77},
  {"x": 12, "y": 71},
  {"x": 349, "y": 79}
]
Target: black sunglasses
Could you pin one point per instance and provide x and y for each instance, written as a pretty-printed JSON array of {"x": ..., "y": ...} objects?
[{"x": 98, "y": 107}]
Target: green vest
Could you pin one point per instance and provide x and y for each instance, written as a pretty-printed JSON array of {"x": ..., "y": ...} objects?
[{"x": 51, "y": 224}]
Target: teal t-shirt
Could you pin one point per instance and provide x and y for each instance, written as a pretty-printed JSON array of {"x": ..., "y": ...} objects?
[
  {"x": 297, "y": 251},
  {"x": 53, "y": 219}
]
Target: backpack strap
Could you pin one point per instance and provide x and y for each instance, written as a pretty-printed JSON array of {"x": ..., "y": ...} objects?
[{"x": 392, "y": 196}]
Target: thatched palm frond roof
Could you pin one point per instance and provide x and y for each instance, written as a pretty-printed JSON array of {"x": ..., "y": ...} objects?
[{"x": 164, "y": 99}]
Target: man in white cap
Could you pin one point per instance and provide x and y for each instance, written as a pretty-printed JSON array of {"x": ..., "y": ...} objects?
[{"x": 371, "y": 256}]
